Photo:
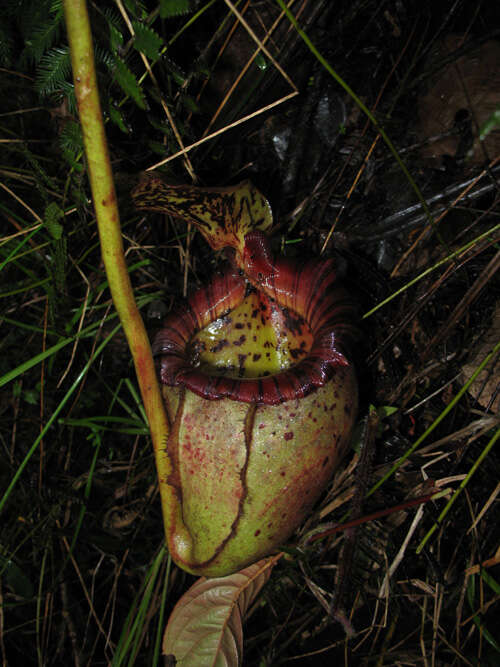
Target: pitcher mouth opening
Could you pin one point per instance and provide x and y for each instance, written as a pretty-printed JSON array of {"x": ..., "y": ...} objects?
[{"x": 221, "y": 345}]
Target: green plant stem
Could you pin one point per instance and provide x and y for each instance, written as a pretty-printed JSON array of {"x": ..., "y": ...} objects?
[
  {"x": 436, "y": 422},
  {"x": 456, "y": 253},
  {"x": 108, "y": 222},
  {"x": 462, "y": 486},
  {"x": 52, "y": 419},
  {"x": 364, "y": 109}
]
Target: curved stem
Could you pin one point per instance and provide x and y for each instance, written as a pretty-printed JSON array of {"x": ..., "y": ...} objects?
[{"x": 108, "y": 221}]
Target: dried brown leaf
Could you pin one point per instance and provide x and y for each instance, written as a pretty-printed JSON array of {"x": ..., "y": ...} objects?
[{"x": 205, "y": 627}]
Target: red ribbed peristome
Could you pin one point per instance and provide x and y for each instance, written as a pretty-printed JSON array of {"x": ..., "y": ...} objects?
[{"x": 307, "y": 290}]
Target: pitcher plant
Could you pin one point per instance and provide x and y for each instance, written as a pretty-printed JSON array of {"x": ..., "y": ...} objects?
[{"x": 259, "y": 391}]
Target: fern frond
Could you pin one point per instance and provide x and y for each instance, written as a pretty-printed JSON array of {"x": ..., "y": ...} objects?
[
  {"x": 147, "y": 40},
  {"x": 104, "y": 57},
  {"x": 71, "y": 142},
  {"x": 171, "y": 8},
  {"x": 113, "y": 17},
  {"x": 68, "y": 91},
  {"x": 42, "y": 34},
  {"x": 53, "y": 71}
]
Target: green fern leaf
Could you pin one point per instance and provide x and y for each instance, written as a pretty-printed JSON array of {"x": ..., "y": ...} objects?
[
  {"x": 169, "y": 8},
  {"x": 104, "y": 57},
  {"x": 53, "y": 71},
  {"x": 147, "y": 41},
  {"x": 68, "y": 90},
  {"x": 71, "y": 137},
  {"x": 51, "y": 218},
  {"x": 71, "y": 143},
  {"x": 128, "y": 83},
  {"x": 43, "y": 33}
]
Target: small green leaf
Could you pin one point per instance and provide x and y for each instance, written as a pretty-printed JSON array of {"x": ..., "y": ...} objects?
[
  {"x": 15, "y": 578},
  {"x": 478, "y": 621},
  {"x": 52, "y": 216},
  {"x": 175, "y": 71},
  {"x": 491, "y": 124},
  {"x": 116, "y": 117},
  {"x": 116, "y": 38},
  {"x": 115, "y": 25},
  {"x": 31, "y": 396},
  {"x": 163, "y": 127},
  {"x": 71, "y": 143},
  {"x": 261, "y": 62},
  {"x": 384, "y": 411},
  {"x": 17, "y": 389},
  {"x": 169, "y": 8},
  {"x": 147, "y": 41},
  {"x": 190, "y": 104},
  {"x": 128, "y": 83},
  {"x": 491, "y": 581},
  {"x": 136, "y": 8},
  {"x": 157, "y": 147}
]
